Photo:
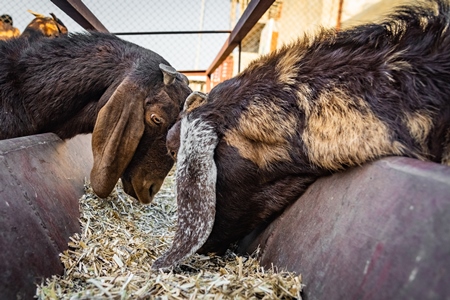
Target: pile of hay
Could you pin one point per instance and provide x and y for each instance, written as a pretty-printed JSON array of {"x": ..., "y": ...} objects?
[{"x": 120, "y": 239}]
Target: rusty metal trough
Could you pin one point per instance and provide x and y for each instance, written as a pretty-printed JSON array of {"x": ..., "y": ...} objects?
[
  {"x": 41, "y": 180},
  {"x": 381, "y": 231}
]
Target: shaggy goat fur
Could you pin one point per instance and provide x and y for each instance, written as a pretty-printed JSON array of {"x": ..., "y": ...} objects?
[
  {"x": 127, "y": 96},
  {"x": 320, "y": 105}
]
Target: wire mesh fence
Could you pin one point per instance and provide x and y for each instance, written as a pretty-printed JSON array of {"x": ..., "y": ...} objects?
[
  {"x": 187, "y": 33},
  {"x": 190, "y": 33},
  {"x": 170, "y": 27}
]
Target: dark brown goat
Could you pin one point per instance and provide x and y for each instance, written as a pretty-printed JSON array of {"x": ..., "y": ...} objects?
[
  {"x": 127, "y": 96},
  {"x": 42, "y": 26},
  {"x": 320, "y": 105}
]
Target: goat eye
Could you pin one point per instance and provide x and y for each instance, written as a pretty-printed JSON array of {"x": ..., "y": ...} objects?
[{"x": 157, "y": 120}]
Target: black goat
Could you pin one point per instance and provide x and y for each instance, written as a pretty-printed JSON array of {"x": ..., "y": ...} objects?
[{"x": 127, "y": 96}]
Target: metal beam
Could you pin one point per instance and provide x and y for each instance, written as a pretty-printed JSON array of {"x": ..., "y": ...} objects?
[
  {"x": 80, "y": 14},
  {"x": 193, "y": 72},
  {"x": 172, "y": 32},
  {"x": 254, "y": 11}
]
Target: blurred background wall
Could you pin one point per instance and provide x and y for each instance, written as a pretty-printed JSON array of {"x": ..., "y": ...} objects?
[{"x": 191, "y": 33}]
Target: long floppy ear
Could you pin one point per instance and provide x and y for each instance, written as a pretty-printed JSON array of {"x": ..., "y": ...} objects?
[
  {"x": 196, "y": 191},
  {"x": 194, "y": 100},
  {"x": 117, "y": 132}
]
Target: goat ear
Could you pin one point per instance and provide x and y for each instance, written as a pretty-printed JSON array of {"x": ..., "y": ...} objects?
[
  {"x": 196, "y": 194},
  {"x": 169, "y": 73},
  {"x": 194, "y": 100},
  {"x": 117, "y": 132}
]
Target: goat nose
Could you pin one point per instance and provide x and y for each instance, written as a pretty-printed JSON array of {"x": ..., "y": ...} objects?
[
  {"x": 147, "y": 189},
  {"x": 152, "y": 191},
  {"x": 173, "y": 153},
  {"x": 128, "y": 188}
]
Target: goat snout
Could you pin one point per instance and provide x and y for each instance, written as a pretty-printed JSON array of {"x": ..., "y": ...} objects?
[
  {"x": 173, "y": 154},
  {"x": 143, "y": 191}
]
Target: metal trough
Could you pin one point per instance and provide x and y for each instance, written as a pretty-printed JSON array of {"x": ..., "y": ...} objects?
[
  {"x": 41, "y": 180},
  {"x": 381, "y": 231}
]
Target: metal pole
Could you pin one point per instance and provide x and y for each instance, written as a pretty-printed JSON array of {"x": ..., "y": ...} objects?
[
  {"x": 80, "y": 14},
  {"x": 199, "y": 40},
  {"x": 239, "y": 57}
]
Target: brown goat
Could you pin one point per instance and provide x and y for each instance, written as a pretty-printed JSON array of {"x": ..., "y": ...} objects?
[
  {"x": 42, "y": 26},
  {"x": 321, "y": 105},
  {"x": 127, "y": 96},
  {"x": 7, "y": 29}
]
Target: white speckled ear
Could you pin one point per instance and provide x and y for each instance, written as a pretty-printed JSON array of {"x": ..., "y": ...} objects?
[{"x": 196, "y": 191}]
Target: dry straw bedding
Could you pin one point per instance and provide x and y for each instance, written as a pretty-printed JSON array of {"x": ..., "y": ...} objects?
[{"x": 112, "y": 256}]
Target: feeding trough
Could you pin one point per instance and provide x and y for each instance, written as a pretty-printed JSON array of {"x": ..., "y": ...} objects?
[
  {"x": 374, "y": 232},
  {"x": 380, "y": 231},
  {"x": 41, "y": 180}
]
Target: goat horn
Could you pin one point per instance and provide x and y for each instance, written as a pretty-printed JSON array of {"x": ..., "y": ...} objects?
[
  {"x": 169, "y": 73},
  {"x": 195, "y": 99}
]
